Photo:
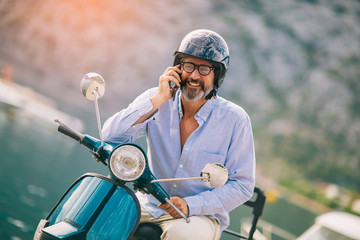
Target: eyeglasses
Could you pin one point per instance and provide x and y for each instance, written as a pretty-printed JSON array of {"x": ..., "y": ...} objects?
[{"x": 189, "y": 67}]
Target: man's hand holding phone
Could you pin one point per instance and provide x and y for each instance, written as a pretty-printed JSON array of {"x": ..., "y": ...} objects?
[{"x": 169, "y": 82}]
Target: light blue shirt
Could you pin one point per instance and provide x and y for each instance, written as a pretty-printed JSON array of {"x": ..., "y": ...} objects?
[{"x": 224, "y": 136}]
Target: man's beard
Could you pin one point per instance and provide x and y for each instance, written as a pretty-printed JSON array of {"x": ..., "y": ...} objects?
[{"x": 190, "y": 94}]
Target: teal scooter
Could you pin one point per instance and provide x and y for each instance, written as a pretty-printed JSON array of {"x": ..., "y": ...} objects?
[{"x": 101, "y": 207}]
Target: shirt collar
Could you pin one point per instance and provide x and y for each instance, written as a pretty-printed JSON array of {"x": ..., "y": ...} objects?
[{"x": 203, "y": 113}]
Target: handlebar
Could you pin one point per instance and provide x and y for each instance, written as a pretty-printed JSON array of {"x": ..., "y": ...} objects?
[
  {"x": 99, "y": 151},
  {"x": 68, "y": 131}
]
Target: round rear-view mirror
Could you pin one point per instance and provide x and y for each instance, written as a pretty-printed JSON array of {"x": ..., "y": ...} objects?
[
  {"x": 92, "y": 83},
  {"x": 216, "y": 175}
]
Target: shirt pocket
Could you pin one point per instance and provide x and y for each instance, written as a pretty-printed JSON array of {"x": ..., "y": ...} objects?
[{"x": 205, "y": 157}]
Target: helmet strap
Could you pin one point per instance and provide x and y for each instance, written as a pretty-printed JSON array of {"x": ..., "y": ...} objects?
[{"x": 211, "y": 94}]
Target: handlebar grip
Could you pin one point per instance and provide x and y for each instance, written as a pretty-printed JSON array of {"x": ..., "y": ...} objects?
[{"x": 68, "y": 131}]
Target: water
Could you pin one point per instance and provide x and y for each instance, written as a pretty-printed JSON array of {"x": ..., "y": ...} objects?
[{"x": 37, "y": 165}]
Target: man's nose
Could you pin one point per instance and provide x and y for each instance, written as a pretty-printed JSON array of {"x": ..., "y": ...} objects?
[{"x": 195, "y": 74}]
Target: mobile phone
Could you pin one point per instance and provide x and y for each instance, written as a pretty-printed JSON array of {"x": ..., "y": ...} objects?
[
  {"x": 174, "y": 89},
  {"x": 173, "y": 85}
]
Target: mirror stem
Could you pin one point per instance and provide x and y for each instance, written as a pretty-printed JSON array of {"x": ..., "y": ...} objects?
[
  {"x": 179, "y": 179},
  {"x": 98, "y": 116}
]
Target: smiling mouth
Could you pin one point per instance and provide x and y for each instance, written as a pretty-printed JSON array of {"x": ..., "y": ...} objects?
[{"x": 194, "y": 83}]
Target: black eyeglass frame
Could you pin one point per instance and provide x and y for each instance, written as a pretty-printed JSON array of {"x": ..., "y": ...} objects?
[{"x": 197, "y": 67}]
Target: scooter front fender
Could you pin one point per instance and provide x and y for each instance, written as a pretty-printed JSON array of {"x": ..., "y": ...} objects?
[{"x": 94, "y": 207}]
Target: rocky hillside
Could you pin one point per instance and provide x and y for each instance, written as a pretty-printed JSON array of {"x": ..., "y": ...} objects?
[{"x": 294, "y": 66}]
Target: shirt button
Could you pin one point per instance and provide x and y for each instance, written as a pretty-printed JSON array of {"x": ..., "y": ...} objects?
[
  {"x": 181, "y": 166},
  {"x": 174, "y": 185}
]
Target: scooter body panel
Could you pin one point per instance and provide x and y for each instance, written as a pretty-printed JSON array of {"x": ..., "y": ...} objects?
[{"x": 94, "y": 207}]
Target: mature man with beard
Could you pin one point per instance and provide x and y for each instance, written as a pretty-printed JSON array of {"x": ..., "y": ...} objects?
[{"x": 186, "y": 129}]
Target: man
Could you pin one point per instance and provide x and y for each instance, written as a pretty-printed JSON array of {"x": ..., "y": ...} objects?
[{"x": 186, "y": 132}]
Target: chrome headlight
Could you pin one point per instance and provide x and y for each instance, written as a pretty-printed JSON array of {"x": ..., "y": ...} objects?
[{"x": 127, "y": 162}]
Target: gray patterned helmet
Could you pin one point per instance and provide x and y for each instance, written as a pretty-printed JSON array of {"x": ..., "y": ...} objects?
[{"x": 207, "y": 45}]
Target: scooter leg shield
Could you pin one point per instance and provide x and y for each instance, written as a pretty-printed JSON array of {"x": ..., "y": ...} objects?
[{"x": 94, "y": 207}]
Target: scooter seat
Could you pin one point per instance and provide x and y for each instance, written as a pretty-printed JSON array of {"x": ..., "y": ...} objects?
[{"x": 147, "y": 231}]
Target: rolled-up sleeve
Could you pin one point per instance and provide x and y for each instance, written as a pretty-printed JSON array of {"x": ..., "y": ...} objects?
[{"x": 119, "y": 128}]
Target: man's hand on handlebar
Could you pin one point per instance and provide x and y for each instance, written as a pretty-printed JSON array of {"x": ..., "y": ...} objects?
[{"x": 180, "y": 203}]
